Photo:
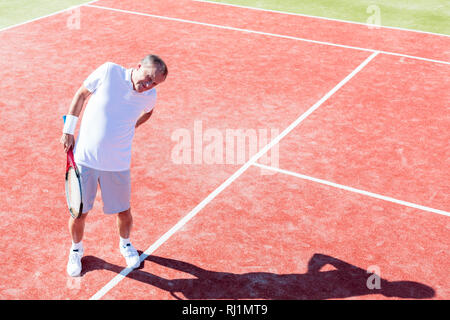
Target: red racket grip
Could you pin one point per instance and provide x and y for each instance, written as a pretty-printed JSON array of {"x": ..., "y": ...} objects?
[{"x": 70, "y": 160}]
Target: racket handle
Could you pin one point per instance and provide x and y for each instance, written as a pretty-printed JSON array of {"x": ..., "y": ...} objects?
[{"x": 71, "y": 148}]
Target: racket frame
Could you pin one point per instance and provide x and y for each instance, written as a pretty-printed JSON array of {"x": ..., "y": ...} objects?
[{"x": 71, "y": 164}]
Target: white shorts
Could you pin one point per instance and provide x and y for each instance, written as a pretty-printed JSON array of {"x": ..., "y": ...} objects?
[{"x": 114, "y": 185}]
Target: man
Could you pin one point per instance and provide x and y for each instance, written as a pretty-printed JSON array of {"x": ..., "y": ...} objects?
[{"x": 121, "y": 100}]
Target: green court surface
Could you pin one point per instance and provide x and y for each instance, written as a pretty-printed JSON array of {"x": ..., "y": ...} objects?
[
  {"x": 16, "y": 11},
  {"x": 424, "y": 15}
]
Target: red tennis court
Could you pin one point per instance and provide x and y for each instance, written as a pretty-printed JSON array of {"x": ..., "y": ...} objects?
[{"x": 362, "y": 119}]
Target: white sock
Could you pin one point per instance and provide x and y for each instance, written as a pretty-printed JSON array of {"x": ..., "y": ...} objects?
[
  {"x": 123, "y": 242},
  {"x": 77, "y": 246}
]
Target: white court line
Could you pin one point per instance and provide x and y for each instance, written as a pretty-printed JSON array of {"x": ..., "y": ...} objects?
[
  {"x": 225, "y": 184},
  {"x": 366, "y": 193},
  {"x": 321, "y": 18},
  {"x": 46, "y": 16},
  {"x": 267, "y": 34}
]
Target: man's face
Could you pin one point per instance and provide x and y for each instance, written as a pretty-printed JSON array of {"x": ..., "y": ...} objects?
[{"x": 146, "y": 77}]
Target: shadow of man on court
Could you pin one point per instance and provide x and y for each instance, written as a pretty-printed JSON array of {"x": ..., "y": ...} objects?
[{"x": 345, "y": 281}]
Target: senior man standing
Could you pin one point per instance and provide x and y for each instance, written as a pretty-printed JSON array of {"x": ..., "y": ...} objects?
[{"x": 121, "y": 100}]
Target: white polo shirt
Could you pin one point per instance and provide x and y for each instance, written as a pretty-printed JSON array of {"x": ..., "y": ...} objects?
[{"x": 109, "y": 120}]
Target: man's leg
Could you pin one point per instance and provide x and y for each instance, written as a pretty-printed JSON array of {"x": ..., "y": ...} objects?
[
  {"x": 116, "y": 194},
  {"x": 124, "y": 223},
  {"x": 89, "y": 181},
  {"x": 76, "y": 228}
]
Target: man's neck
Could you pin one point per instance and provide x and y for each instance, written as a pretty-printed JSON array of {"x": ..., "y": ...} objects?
[{"x": 131, "y": 77}]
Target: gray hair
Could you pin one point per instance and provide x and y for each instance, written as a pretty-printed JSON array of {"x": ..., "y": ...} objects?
[{"x": 154, "y": 60}]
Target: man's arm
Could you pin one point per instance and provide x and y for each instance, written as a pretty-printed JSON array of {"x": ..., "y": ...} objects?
[
  {"x": 78, "y": 101},
  {"x": 143, "y": 117},
  {"x": 75, "y": 108}
]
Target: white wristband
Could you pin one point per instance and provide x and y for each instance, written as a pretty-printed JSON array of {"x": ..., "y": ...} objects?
[{"x": 70, "y": 124}]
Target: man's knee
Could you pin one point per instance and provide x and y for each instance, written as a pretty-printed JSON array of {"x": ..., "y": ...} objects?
[
  {"x": 125, "y": 214},
  {"x": 80, "y": 218}
]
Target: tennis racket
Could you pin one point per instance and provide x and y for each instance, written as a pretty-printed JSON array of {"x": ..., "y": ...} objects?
[{"x": 73, "y": 186}]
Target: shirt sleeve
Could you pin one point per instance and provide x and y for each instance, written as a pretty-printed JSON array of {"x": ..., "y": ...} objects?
[
  {"x": 96, "y": 78},
  {"x": 151, "y": 101}
]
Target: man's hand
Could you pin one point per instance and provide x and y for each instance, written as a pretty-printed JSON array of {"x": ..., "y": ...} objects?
[
  {"x": 143, "y": 117},
  {"x": 68, "y": 141}
]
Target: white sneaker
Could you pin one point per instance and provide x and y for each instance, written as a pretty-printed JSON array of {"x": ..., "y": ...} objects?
[
  {"x": 74, "y": 264},
  {"x": 131, "y": 256}
]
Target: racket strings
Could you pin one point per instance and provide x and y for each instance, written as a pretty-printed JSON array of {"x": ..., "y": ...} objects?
[{"x": 73, "y": 191}]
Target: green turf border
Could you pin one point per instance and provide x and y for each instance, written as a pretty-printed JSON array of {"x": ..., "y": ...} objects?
[
  {"x": 14, "y": 12},
  {"x": 420, "y": 15}
]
